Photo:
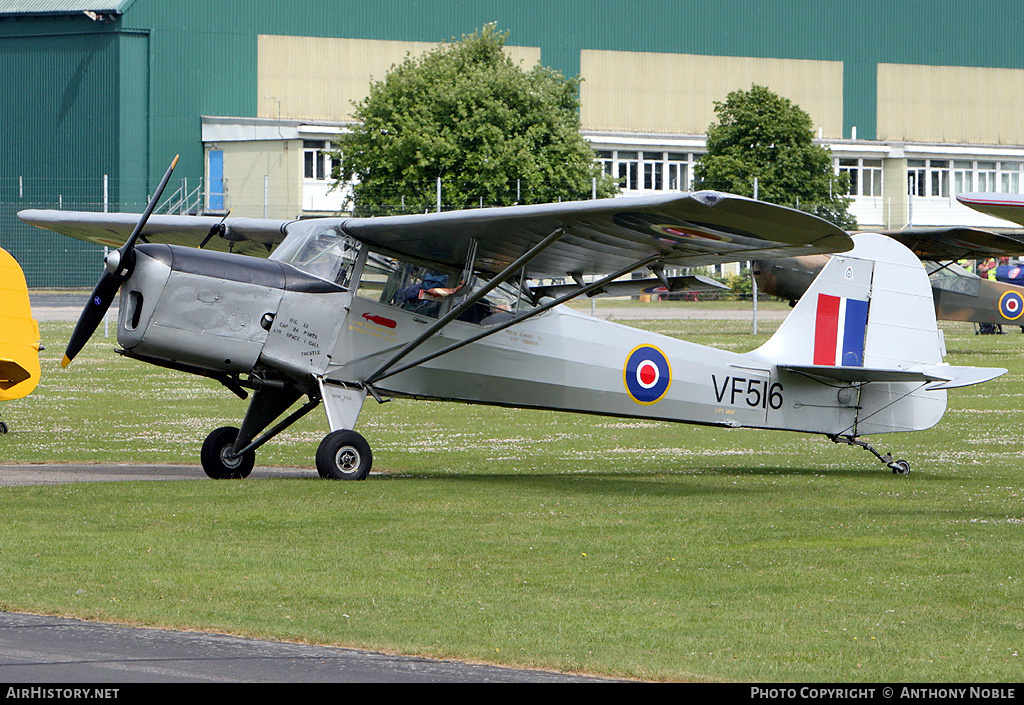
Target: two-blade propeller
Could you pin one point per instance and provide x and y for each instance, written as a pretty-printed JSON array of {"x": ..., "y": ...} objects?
[{"x": 119, "y": 264}]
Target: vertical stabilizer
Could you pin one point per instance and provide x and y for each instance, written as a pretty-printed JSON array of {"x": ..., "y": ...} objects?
[{"x": 869, "y": 308}]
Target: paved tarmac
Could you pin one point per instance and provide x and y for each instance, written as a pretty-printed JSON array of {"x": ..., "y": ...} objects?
[{"x": 40, "y": 649}]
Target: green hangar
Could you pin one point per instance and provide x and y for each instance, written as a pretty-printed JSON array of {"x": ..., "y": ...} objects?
[{"x": 918, "y": 101}]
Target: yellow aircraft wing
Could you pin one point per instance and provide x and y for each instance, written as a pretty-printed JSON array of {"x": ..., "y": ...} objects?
[{"x": 19, "y": 333}]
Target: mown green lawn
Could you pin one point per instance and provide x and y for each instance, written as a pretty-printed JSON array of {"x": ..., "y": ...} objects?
[{"x": 571, "y": 542}]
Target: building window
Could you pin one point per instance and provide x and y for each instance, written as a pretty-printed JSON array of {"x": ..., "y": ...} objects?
[
  {"x": 317, "y": 161},
  {"x": 647, "y": 170},
  {"x": 963, "y": 176},
  {"x": 1009, "y": 177},
  {"x": 985, "y": 177},
  {"x": 679, "y": 171},
  {"x": 865, "y": 176},
  {"x": 917, "y": 177},
  {"x": 939, "y": 177},
  {"x": 928, "y": 177}
]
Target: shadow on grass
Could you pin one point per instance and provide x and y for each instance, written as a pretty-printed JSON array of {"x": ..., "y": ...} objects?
[{"x": 681, "y": 483}]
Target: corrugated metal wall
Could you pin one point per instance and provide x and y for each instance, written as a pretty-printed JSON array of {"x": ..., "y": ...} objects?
[
  {"x": 81, "y": 99},
  {"x": 59, "y": 109}
]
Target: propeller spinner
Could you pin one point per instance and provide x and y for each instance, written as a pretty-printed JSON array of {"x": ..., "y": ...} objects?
[{"x": 119, "y": 265}]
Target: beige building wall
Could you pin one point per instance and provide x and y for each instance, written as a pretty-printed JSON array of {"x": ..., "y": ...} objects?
[
  {"x": 951, "y": 104},
  {"x": 319, "y": 78},
  {"x": 263, "y": 179},
  {"x": 675, "y": 93}
]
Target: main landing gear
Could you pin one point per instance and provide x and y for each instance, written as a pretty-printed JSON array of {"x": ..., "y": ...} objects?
[
  {"x": 898, "y": 467},
  {"x": 342, "y": 455},
  {"x": 230, "y": 453}
]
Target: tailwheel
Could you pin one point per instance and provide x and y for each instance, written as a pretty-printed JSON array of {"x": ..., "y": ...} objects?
[
  {"x": 219, "y": 460},
  {"x": 900, "y": 467},
  {"x": 344, "y": 455}
]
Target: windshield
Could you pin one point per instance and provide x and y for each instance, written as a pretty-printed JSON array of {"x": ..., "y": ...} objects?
[{"x": 321, "y": 250}]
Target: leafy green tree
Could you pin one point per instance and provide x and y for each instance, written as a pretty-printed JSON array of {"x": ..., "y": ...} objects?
[
  {"x": 762, "y": 135},
  {"x": 465, "y": 112}
]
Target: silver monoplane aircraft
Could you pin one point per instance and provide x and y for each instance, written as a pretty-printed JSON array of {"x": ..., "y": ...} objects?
[{"x": 449, "y": 306}]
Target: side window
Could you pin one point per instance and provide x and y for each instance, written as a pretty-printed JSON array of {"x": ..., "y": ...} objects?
[
  {"x": 418, "y": 289},
  {"x": 405, "y": 285},
  {"x": 432, "y": 293}
]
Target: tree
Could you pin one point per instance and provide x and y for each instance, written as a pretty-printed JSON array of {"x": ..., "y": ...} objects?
[
  {"x": 762, "y": 135},
  {"x": 465, "y": 112}
]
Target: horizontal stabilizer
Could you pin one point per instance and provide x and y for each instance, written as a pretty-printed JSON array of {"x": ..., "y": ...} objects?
[
  {"x": 953, "y": 376},
  {"x": 946, "y": 376},
  {"x": 690, "y": 283},
  {"x": 861, "y": 374}
]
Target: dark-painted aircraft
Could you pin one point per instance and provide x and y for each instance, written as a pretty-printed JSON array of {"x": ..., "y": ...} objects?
[{"x": 958, "y": 294}]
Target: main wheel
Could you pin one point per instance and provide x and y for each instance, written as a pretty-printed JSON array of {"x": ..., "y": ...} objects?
[
  {"x": 217, "y": 460},
  {"x": 344, "y": 455},
  {"x": 3, "y": 427}
]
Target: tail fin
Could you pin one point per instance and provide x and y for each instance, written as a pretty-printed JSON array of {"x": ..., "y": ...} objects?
[
  {"x": 868, "y": 308},
  {"x": 869, "y": 317}
]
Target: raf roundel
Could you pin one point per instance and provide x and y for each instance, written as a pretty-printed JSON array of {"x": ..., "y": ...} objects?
[
  {"x": 647, "y": 374},
  {"x": 1011, "y": 305}
]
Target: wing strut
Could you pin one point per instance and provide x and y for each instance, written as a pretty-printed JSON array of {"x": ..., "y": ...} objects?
[
  {"x": 466, "y": 303},
  {"x": 490, "y": 330}
]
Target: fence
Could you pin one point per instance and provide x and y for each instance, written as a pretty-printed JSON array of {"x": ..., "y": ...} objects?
[{"x": 55, "y": 261}]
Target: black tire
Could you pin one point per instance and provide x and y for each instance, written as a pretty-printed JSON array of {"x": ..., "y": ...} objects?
[
  {"x": 900, "y": 467},
  {"x": 216, "y": 460},
  {"x": 3, "y": 427},
  {"x": 344, "y": 455}
]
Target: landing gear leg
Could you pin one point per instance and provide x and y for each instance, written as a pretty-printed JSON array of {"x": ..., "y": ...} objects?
[
  {"x": 898, "y": 467},
  {"x": 231, "y": 453}
]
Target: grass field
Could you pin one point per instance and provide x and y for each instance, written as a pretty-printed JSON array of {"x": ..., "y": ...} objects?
[{"x": 576, "y": 543}]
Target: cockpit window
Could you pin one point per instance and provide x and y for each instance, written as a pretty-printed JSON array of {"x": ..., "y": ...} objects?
[
  {"x": 953, "y": 278},
  {"x": 325, "y": 252},
  {"x": 431, "y": 293}
]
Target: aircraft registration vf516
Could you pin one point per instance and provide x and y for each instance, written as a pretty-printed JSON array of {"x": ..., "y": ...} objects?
[{"x": 446, "y": 306}]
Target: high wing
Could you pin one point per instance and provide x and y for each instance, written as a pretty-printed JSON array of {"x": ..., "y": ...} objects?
[
  {"x": 953, "y": 243},
  {"x": 1000, "y": 205},
  {"x": 599, "y": 236},
  {"x": 248, "y": 236},
  {"x": 691, "y": 283},
  {"x": 686, "y": 229}
]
